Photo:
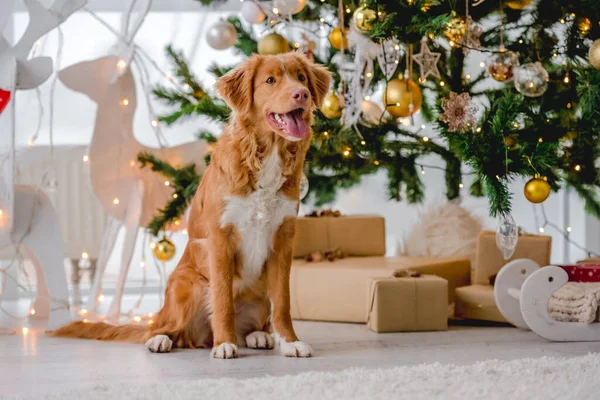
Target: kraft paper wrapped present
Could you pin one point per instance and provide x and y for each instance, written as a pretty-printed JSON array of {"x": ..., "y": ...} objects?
[
  {"x": 407, "y": 304},
  {"x": 488, "y": 259},
  {"x": 477, "y": 302},
  {"x": 355, "y": 235},
  {"x": 337, "y": 291}
]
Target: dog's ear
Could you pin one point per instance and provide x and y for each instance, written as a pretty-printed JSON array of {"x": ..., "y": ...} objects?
[
  {"x": 237, "y": 86},
  {"x": 319, "y": 79}
]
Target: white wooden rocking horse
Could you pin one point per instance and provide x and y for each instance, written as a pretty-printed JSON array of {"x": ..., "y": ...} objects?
[
  {"x": 522, "y": 291},
  {"x": 130, "y": 195},
  {"x": 28, "y": 218}
]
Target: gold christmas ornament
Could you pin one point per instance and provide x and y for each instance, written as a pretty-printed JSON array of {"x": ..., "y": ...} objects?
[
  {"x": 510, "y": 143},
  {"x": 300, "y": 6},
  {"x": 536, "y": 190},
  {"x": 364, "y": 18},
  {"x": 331, "y": 107},
  {"x": 337, "y": 39},
  {"x": 531, "y": 79},
  {"x": 456, "y": 28},
  {"x": 500, "y": 65},
  {"x": 164, "y": 250},
  {"x": 399, "y": 95},
  {"x": 518, "y": 4},
  {"x": 272, "y": 44},
  {"x": 371, "y": 113},
  {"x": 594, "y": 54}
]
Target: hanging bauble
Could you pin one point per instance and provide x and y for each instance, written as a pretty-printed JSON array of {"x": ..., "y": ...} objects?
[
  {"x": 536, "y": 190},
  {"x": 456, "y": 28},
  {"x": 507, "y": 236},
  {"x": 500, "y": 65},
  {"x": 371, "y": 113},
  {"x": 531, "y": 79},
  {"x": 594, "y": 54},
  {"x": 287, "y": 7},
  {"x": 331, "y": 107},
  {"x": 337, "y": 39},
  {"x": 273, "y": 43},
  {"x": 252, "y": 13},
  {"x": 584, "y": 25},
  {"x": 511, "y": 143},
  {"x": 4, "y": 99},
  {"x": 164, "y": 250},
  {"x": 221, "y": 35},
  {"x": 518, "y": 4},
  {"x": 364, "y": 18},
  {"x": 399, "y": 95},
  {"x": 303, "y": 186}
]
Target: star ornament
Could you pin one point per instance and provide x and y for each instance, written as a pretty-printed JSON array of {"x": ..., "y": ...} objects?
[{"x": 427, "y": 62}]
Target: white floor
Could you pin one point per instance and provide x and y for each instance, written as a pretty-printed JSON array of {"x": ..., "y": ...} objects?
[{"x": 35, "y": 364}]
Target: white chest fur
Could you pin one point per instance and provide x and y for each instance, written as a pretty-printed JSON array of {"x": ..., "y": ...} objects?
[{"x": 258, "y": 217}]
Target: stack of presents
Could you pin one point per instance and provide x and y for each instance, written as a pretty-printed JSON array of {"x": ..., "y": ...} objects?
[{"x": 393, "y": 294}]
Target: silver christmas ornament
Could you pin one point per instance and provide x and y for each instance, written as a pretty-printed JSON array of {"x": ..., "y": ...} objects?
[
  {"x": 303, "y": 186},
  {"x": 507, "y": 236},
  {"x": 287, "y": 7},
  {"x": 221, "y": 35},
  {"x": 531, "y": 79},
  {"x": 252, "y": 13}
]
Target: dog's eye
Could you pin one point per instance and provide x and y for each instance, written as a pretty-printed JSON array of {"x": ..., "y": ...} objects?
[
  {"x": 270, "y": 80},
  {"x": 301, "y": 78}
]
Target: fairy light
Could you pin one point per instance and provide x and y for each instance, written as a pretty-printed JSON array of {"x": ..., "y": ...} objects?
[
  {"x": 275, "y": 10},
  {"x": 540, "y": 140},
  {"x": 468, "y": 76},
  {"x": 367, "y": 97},
  {"x": 422, "y": 170},
  {"x": 322, "y": 19},
  {"x": 1, "y": 212},
  {"x": 566, "y": 80},
  {"x": 516, "y": 125},
  {"x": 520, "y": 41},
  {"x": 578, "y": 168},
  {"x": 363, "y": 142},
  {"x": 85, "y": 255},
  {"x": 177, "y": 222},
  {"x": 86, "y": 158},
  {"x": 442, "y": 83},
  {"x": 85, "y": 320},
  {"x": 423, "y": 126},
  {"x": 348, "y": 10},
  {"x": 568, "y": 105},
  {"x": 397, "y": 47},
  {"x": 555, "y": 55},
  {"x": 186, "y": 86},
  {"x": 150, "y": 315},
  {"x": 142, "y": 263},
  {"x": 296, "y": 45},
  {"x": 531, "y": 84},
  {"x": 541, "y": 229},
  {"x": 152, "y": 245},
  {"x": 425, "y": 138},
  {"x": 568, "y": 229},
  {"x": 175, "y": 195},
  {"x": 25, "y": 330},
  {"x": 397, "y": 61},
  {"x": 121, "y": 64},
  {"x": 167, "y": 183},
  {"x": 137, "y": 319},
  {"x": 325, "y": 133},
  {"x": 101, "y": 298},
  {"x": 322, "y": 28},
  {"x": 397, "y": 104},
  {"x": 369, "y": 74},
  {"x": 482, "y": 64},
  {"x": 451, "y": 43},
  {"x": 376, "y": 162},
  {"x": 116, "y": 201},
  {"x": 150, "y": 322},
  {"x": 132, "y": 163},
  {"x": 562, "y": 20},
  {"x": 478, "y": 129},
  {"x": 185, "y": 232},
  {"x": 346, "y": 152},
  {"x": 154, "y": 123},
  {"x": 83, "y": 311},
  {"x": 32, "y": 311},
  {"x": 460, "y": 185},
  {"x": 30, "y": 142},
  {"x": 125, "y": 102}
]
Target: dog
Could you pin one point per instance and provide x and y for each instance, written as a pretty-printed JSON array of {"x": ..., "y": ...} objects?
[{"x": 231, "y": 286}]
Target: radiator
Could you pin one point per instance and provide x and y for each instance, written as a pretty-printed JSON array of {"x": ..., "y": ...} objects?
[{"x": 81, "y": 217}]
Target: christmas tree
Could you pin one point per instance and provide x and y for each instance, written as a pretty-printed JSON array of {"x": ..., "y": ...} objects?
[{"x": 535, "y": 116}]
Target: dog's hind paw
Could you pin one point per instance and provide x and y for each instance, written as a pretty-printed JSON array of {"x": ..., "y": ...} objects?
[
  {"x": 295, "y": 349},
  {"x": 224, "y": 351},
  {"x": 260, "y": 340},
  {"x": 159, "y": 344}
]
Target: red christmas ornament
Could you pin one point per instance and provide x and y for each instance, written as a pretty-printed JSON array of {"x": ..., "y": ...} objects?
[{"x": 4, "y": 99}]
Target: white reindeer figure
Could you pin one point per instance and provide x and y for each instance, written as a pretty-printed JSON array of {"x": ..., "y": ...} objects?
[
  {"x": 27, "y": 217},
  {"x": 130, "y": 195}
]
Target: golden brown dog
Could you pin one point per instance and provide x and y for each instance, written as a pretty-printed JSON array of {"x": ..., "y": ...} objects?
[{"x": 231, "y": 287}]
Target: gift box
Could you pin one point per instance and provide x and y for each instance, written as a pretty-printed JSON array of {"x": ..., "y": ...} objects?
[
  {"x": 354, "y": 235},
  {"x": 477, "y": 302},
  {"x": 337, "y": 291},
  {"x": 489, "y": 260},
  {"x": 407, "y": 304}
]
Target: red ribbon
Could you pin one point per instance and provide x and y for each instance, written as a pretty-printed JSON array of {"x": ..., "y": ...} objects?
[
  {"x": 4, "y": 99},
  {"x": 583, "y": 272}
]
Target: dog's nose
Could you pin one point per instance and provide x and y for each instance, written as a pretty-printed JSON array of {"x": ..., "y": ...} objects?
[{"x": 300, "y": 95}]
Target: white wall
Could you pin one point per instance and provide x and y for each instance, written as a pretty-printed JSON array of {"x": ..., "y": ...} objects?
[{"x": 85, "y": 38}]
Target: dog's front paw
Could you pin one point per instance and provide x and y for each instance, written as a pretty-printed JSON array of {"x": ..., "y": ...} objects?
[
  {"x": 159, "y": 344},
  {"x": 224, "y": 350},
  {"x": 260, "y": 340},
  {"x": 295, "y": 349}
]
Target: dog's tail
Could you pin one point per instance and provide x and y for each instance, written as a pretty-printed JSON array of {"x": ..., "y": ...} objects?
[{"x": 102, "y": 331}]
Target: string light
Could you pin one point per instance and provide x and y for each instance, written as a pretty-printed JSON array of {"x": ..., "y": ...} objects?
[
  {"x": 142, "y": 263},
  {"x": 376, "y": 162},
  {"x": 150, "y": 322},
  {"x": 85, "y": 320},
  {"x": 185, "y": 232},
  {"x": 460, "y": 185},
  {"x": 422, "y": 170},
  {"x": 86, "y": 158},
  {"x": 167, "y": 183},
  {"x": 152, "y": 245},
  {"x": 25, "y": 330},
  {"x": 125, "y": 101},
  {"x": 367, "y": 97},
  {"x": 348, "y": 10},
  {"x": 397, "y": 61},
  {"x": 326, "y": 133},
  {"x": 275, "y": 10},
  {"x": 154, "y": 123},
  {"x": 540, "y": 140},
  {"x": 85, "y": 255},
  {"x": 482, "y": 64},
  {"x": 83, "y": 311},
  {"x": 296, "y": 45},
  {"x": 121, "y": 64},
  {"x": 30, "y": 142},
  {"x": 116, "y": 201},
  {"x": 175, "y": 195},
  {"x": 132, "y": 163},
  {"x": 541, "y": 229},
  {"x": 442, "y": 83},
  {"x": 566, "y": 80},
  {"x": 468, "y": 76},
  {"x": 137, "y": 319},
  {"x": 32, "y": 311},
  {"x": 568, "y": 105},
  {"x": 562, "y": 20},
  {"x": 516, "y": 125},
  {"x": 322, "y": 19},
  {"x": 177, "y": 222},
  {"x": 568, "y": 229},
  {"x": 451, "y": 43},
  {"x": 425, "y": 138},
  {"x": 101, "y": 298},
  {"x": 1, "y": 212},
  {"x": 397, "y": 47},
  {"x": 478, "y": 129},
  {"x": 363, "y": 142},
  {"x": 186, "y": 86},
  {"x": 578, "y": 168},
  {"x": 347, "y": 152}
]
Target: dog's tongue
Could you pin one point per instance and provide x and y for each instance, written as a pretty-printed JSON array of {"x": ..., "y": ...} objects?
[{"x": 295, "y": 124}]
